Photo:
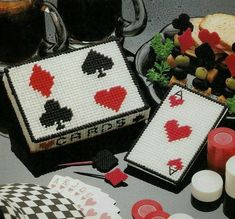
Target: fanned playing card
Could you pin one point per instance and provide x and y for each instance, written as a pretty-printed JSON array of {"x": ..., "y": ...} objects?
[
  {"x": 93, "y": 202},
  {"x": 176, "y": 134},
  {"x": 74, "y": 96},
  {"x": 30, "y": 201}
]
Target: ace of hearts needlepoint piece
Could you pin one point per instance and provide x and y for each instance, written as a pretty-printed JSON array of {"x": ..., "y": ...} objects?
[
  {"x": 75, "y": 95},
  {"x": 176, "y": 134}
]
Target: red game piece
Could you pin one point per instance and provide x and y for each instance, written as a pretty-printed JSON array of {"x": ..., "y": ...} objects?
[
  {"x": 115, "y": 177},
  {"x": 221, "y": 146},
  {"x": 157, "y": 215},
  {"x": 144, "y": 207}
]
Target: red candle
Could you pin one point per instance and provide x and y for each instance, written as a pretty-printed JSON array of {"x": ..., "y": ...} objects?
[{"x": 220, "y": 147}]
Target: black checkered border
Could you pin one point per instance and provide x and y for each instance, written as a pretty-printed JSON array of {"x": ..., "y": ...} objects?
[
  {"x": 38, "y": 202},
  {"x": 9, "y": 211}
]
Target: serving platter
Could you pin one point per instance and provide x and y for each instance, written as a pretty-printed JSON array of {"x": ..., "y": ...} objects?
[{"x": 144, "y": 60}]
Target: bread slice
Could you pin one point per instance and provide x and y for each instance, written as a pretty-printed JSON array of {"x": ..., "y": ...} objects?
[
  {"x": 223, "y": 24},
  {"x": 196, "y": 22},
  {"x": 196, "y": 29}
]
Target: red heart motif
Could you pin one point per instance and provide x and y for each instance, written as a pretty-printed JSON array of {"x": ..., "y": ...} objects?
[
  {"x": 230, "y": 62},
  {"x": 90, "y": 201},
  {"x": 112, "y": 98},
  {"x": 174, "y": 101},
  {"x": 70, "y": 189},
  {"x": 211, "y": 38},
  {"x": 105, "y": 216},
  {"x": 76, "y": 193},
  {"x": 176, "y": 132},
  {"x": 91, "y": 212}
]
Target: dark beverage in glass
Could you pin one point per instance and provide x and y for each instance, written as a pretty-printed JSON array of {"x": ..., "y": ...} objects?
[
  {"x": 95, "y": 20},
  {"x": 22, "y": 28},
  {"x": 22, "y": 25},
  {"x": 90, "y": 20}
]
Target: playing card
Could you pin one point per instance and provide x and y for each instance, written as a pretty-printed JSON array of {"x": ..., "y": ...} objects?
[
  {"x": 90, "y": 200},
  {"x": 176, "y": 134},
  {"x": 55, "y": 182},
  {"x": 87, "y": 195}
]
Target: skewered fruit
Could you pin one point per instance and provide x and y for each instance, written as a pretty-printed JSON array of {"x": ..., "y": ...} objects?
[
  {"x": 200, "y": 84},
  {"x": 171, "y": 61},
  {"x": 201, "y": 73},
  {"x": 228, "y": 93},
  {"x": 179, "y": 73},
  {"x": 182, "y": 61},
  {"x": 230, "y": 83}
]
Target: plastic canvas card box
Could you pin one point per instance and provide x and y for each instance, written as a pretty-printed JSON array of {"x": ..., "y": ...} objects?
[
  {"x": 74, "y": 96},
  {"x": 176, "y": 134}
]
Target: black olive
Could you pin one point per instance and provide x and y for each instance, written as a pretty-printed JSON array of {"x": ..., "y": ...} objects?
[
  {"x": 179, "y": 73},
  {"x": 200, "y": 84},
  {"x": 228, "y": 93},
  {"x": 175, "y": 52}
]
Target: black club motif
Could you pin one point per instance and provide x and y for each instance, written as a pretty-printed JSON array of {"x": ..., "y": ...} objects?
[
  {"x": 182, "y": 23},
  {"x": 55, "y": 114}
]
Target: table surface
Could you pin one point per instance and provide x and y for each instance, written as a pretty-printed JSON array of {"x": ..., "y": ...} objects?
[{"x": 12, "y": 169}]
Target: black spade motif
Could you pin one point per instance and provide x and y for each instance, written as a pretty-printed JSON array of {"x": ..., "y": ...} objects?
[
  {"x": 96, "y": 61},
  {"x": 55, "y": 115},
  {"x": 104, "y": 161},
  {"x": 138, "y": 118}
]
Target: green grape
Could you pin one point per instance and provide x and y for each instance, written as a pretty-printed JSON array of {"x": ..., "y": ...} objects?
[
  {"x": 201, "y": 73},
  {"x": 182, "y": 61},
  {"x": 230, "y": 83}
]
